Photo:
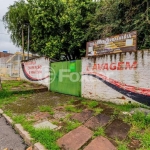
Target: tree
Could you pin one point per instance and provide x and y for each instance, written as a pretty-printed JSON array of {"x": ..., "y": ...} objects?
[
  {"x": 15, "y": 20},
  {"x": 116, "y": 17},
  {"x": 58, "y": 27},
  {"x": 45, "y": 21},
  {"x": 74, "y": 24}
]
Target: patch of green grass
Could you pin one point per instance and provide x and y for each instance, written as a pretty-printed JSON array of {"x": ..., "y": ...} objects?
[
  {"x": 70, "y": 125},
  {"x": 7, "y": 85},
  {"x": 84, "y": 103},
  {"x": 123, "y": 107},
  {"x": 5, "y": 94},
  {"x": 45, "y": 108},
  {"x": 19, "y": 118},
  {"x": 81, "y": 99},
  {"x": 71, "y": 101},
  {"x": 71, "y": 108},
  {"x": 45, "y": 136},
  {"x": 97, "y": 111},
  {"x": 9, "y": 113},
  {"x": 122, "y": 146},
  {"x": 92, "y": 104},
  {"x": 134, "y": 133},
  {"x": 99, "y": 132},
  {"x": 145, "y": 140},
  {"x": 138, "y": 119},
  {"x": 6, "y": 97}
]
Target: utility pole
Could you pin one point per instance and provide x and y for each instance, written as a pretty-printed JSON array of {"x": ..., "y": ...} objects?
[
  {"x": 22, "y": 43},
  {"x": 28, "y": 39}
]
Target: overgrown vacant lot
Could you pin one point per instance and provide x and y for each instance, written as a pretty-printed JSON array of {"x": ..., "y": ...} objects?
[{"x": 59, "y": 109}]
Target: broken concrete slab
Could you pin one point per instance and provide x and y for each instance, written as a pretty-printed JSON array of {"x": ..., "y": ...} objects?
[
  {"x": 75, "y": 139},
  {"x": 98, "y": 121},
  {"x": 60, "y": 114},
  {"x": 141, "y": 110},
  {"x": 100, "y": 143},
  {"x": 45, "y": 124},
  {"x": 83, "y": 116},
  {"x": 117, "y": 129}
]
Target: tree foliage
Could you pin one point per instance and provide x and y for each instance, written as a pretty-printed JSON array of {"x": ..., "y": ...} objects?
[
  {"x": 15, "y": 19},
  {"x": 116, "y": 17},
  {"x": 61, "y": 28}
]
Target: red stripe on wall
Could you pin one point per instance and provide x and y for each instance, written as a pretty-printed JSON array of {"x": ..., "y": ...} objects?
[{"x": 124, "y": 86}]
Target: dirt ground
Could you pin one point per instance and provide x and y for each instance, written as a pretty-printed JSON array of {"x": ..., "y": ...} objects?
[{"x": 63, "y": 108}]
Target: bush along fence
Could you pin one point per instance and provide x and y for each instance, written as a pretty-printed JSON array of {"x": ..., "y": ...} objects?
[{"x": 119, "y": 78}]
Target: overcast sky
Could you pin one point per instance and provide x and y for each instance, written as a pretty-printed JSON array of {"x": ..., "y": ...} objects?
[{"x": 5, "y": 41}]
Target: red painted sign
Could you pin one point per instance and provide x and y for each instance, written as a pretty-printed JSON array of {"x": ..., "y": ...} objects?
[{"x": 113, "y": 66}]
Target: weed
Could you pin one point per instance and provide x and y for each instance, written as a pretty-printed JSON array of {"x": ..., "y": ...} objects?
[
  {"x": 68, "y": 116},
  {"x": 84, "y": 103},
  {"x": 5, "y": 94},
  {"x": 19, "y": 118},
  {"x": 92, "y": 104},
  {"x": 116, "y": 112},
  {"x": 122, "y": 146},
  {"x": 71, "y": 101},
  {"x": 99, "y": 132},
  {"x": 70, "y": 125},
  {"x": 45, "y": 108},
  {"x": 9, "y": 113},
  {"x": 81, "y": 98},
  {"x": 123, "y": 107},
  {"x": 7, "y": 85},
  {"x": 97, "y": 111},
  {"x": 145, "y": 140},
  {"x": 55, "y": 122},
  {"x": 135, "y": 132},
  {"x": 138, "y": 119},
  {"x": 71, "y": 108}
]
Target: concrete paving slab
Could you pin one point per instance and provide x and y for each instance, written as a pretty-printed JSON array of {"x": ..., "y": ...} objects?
[
  {"x": 117, "y": 129},
  {"x": 100, "y": 143},
  {"x": 45, "y": 124},
  {"x": 75, "y": 139},
  {"x": 83, "y": 116},
  {"x": 60, "y": 114},
  {"x": 98, "y": 121}
]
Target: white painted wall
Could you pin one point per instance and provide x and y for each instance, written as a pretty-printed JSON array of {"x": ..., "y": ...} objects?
[
  {"x": 36, "y": 71},
  {"x": 115, "y": 69}
]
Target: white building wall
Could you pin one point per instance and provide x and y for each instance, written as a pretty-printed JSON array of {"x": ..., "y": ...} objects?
[
  {"x": 36, "y": 71},
  {"x": 119, "y": 78}
]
